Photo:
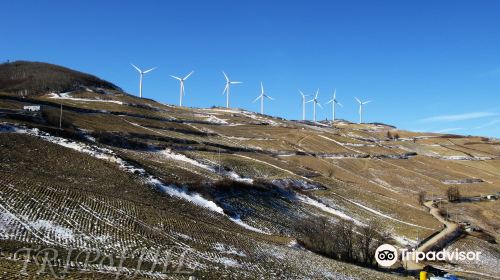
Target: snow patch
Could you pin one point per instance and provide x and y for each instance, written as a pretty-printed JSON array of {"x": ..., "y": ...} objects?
[
  {"x": 228, "y": 249},
  {"x": 297, "y": 183},
  {"x": 463, "y": 181},
  {"x": 194, "y": 198},
  {"x": 327, "y": 209},
  {"x": 228, "y": 262},
  {"x": 238, "y": 221},
  {"x": 180, "y": 157},
  {"x": 212, "y": 119},
  {"x": 463, "y": 158},
  {"x": 66, "y": 96},
  {"x": 60, "y": 232}
]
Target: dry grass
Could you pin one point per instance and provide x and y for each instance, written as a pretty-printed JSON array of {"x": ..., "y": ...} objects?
[{"x": 253, "y": 146}]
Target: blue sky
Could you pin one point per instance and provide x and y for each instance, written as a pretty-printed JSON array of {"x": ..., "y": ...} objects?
[{"x": 427, "y": 65}]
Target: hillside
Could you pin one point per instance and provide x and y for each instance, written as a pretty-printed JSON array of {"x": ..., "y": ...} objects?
[
  {"x": 230, "y": 190},
  {"x": 34, "y": 78}
]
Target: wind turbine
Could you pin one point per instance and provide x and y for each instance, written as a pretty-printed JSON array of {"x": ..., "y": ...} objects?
[
  {"x": 141, "y": 73},
  {"x": 182, "y": 86},
  {"x": 315, "y": 102},
  {"x": 226, "y": 88},
  {"x": 334, "y": 101},
  {"x": 303, "y": 105},
  {"x": 361, "y": 108},
  {"x": 262, "y": 96}
]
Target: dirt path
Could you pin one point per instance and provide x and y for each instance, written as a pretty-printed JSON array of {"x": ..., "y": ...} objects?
[{"x": 450, "y": 229}]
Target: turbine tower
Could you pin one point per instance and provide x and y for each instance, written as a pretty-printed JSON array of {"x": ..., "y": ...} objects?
[
  {"x": 181, "y": 80},
  {"x": 226, "y": 88},
  {"x": 141, "y": 74},
  {"x": 334, "y": 101},
  {"x": 303, "y": 105},
  {"x": 361, "y": 108},
  {"x": 262, "y": 96},
  {"x": 315, "y": 102}
]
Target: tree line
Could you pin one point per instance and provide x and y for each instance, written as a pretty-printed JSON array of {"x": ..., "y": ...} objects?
[{"x": 343, "y": 240}]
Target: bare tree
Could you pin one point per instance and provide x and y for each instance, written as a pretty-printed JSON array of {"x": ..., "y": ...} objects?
[
  {"x": 316, "y": 235},
  {"x": 371, "y": 236},
  {"x": 422, "y": 197},
  {"x": 389, "y": 135},
  {"x": 345, "y": 240},
  {"x": 453, "y": 194}
]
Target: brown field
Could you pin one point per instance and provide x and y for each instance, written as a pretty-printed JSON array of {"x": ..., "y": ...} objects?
[{"x": 69, "y": 198}]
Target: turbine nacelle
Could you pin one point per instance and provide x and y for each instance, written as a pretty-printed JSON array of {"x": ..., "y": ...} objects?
[
  {"x": 334, "y": 99},
  {"x": 362, "y": 102},
  {"x": 182, "y": 79},
  {"x": 141, "y": 71}
]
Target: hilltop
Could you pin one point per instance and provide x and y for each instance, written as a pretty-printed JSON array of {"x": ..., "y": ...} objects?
[
  {"x": 35, "y": 78},
  {"x": 246, "y": 195}
]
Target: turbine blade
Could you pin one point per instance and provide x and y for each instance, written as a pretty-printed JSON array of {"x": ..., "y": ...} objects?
[
  {"x": 340, "y": 104},
  {"x": 225, "y": 88},
  {"x": 149, "y": 70},
  {"x": 329, "y": 101},
  {"x": 261, "y": 88},
  {"x": 357, "y": 99},
  {"x": 225, "y": 76},
  {"x": 136, "y": 68},
  {"x": 269, "y": 97},
  {"x": 310, "y": 101},
  {"x": 175, "y": 77},
  {"x": 317, "y": 92},
  {"x": 366, "y": 102},
  {"x": 185, "y": 78},
  {"x": 320, "y": 105},
  {"x": 256, "y": 98},
  {"x": 235, "y": 82}
]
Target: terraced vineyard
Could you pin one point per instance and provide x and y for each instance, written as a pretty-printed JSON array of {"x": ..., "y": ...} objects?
[{"x": 218, "y": 193}]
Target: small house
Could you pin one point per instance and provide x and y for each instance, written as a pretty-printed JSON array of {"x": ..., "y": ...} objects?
[
  {"x": 32, "y": 108},
  {"x": 491, "y": 197}
]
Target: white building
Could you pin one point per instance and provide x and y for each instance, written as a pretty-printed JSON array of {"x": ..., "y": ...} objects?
[{"x": 32, "y": 108}]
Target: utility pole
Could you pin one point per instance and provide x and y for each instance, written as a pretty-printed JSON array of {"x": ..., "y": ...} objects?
[
  {"x": 60, "y": 119},
  {"x": 219, "y": 161}
]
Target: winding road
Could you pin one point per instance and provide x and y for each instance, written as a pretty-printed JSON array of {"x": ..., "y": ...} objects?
[{"x": 449, "y": 229}]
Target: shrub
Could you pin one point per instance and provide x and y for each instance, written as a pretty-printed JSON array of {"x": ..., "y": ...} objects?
[
  {"x": 421, "y": 197},
  {"x": 453, "y": 194},
  {"x": 117, "y": 140}
]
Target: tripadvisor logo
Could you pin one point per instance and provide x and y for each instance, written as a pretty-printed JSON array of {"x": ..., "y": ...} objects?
[{"x": 386, "y": 255}]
